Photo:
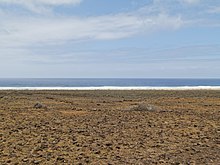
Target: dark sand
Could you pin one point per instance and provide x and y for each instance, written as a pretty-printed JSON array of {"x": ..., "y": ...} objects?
[{"x": 106, "y": 127}]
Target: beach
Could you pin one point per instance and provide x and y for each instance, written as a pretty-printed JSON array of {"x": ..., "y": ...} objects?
[{"x": 110, "y": 126}]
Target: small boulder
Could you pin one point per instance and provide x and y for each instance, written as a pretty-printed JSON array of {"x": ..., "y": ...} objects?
[
  {"x": 39, "y": 106},
  {"x": 145, "y": 107}
]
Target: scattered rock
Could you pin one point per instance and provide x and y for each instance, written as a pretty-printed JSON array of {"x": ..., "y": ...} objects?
[
  {"x": 117, "y": 147},
  {"x": 145, "y": 107},
  {"x": 108, "y": 144},
  {"x": 25, "y": 160},
  {"x": 97, "y": 152},
  {"x": 57, "y": 121},
  {"x": 110, "y": 133},
  {"x": 36, "y": 162},
  {"x": 39, "y": 106},
  {"x": 60, "y": 159}
]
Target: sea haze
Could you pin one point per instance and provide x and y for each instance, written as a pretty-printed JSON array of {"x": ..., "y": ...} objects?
[{"x": 107, "y": 82}]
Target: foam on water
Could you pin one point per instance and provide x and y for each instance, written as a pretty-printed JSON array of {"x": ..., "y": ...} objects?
[{"x": 115, "y": 88}]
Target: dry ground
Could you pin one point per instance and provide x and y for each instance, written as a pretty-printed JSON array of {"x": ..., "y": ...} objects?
[{"x": 103, "y": 127}]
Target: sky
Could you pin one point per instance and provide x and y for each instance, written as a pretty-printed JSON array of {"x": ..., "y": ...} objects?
[{"x": 109, "y": 39}]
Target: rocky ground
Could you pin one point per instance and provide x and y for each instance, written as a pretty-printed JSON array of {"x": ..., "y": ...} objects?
[{"x": 110, "y": 127}]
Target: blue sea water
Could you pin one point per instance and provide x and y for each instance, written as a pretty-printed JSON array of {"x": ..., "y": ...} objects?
[{"x": 97, "y": 82}]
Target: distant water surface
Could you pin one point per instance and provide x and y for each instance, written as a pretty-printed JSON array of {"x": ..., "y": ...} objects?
[{"x": 113, "y": 82}]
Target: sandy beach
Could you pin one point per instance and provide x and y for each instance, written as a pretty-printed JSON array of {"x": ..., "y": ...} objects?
[{"x": 110, "y": 127}]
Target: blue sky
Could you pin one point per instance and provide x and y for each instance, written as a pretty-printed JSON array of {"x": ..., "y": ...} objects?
[{"x": 102, "y": 38}]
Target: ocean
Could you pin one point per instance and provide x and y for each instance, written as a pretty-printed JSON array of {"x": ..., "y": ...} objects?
[{"x": 105, "y": 83}]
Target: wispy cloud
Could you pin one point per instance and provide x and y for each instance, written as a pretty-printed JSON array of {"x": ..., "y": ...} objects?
[
  {"x": 125, "y": 55},
  {"x": 31, "y": 37},
  {"x": 214, "y": 10},
  {"x": 41, "y": 2},
  {"x": 27, "y": 31},
  {"x": 39, "y": 6},
  {"x": 190, "y": 1},
  {"x": 24, "y": 30}
]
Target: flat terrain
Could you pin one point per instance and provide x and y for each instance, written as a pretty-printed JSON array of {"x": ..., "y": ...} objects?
[{"x": 110, "y": 127}]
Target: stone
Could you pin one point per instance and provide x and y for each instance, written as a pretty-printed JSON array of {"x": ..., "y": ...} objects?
[
  {"x": 145, "y": 107},
  {"x": 39, "y": 106}
]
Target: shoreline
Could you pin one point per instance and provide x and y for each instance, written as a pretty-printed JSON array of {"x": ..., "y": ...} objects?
[{"x": 113, "y": 88}]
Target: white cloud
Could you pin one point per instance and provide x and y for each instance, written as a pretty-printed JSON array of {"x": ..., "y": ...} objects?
[
  {"x": 214, "y": 10},
  {"x": 40, "y": 6},
  {"x": 176, "y": 1},
  {"x": 27, "y": 31},
  {"x": 190, "y": 1},
  {"x": 31, "y": 40},
  {"x": 41, "y": 2}
]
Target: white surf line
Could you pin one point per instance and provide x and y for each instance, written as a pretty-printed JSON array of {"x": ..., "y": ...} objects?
[{"x": 114, "y": 88}]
